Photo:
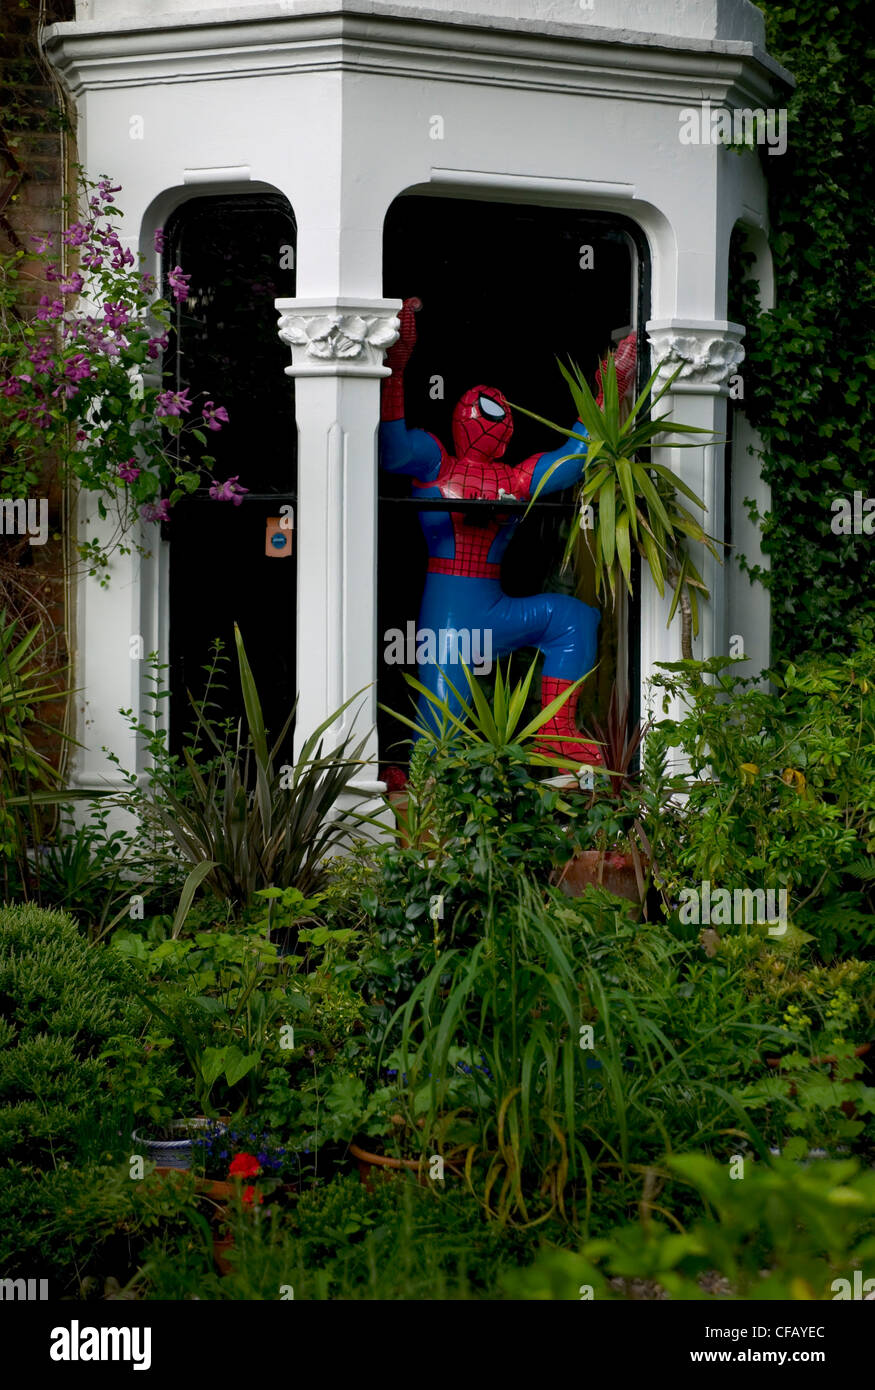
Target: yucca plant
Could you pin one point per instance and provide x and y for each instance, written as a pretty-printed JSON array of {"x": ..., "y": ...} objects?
[
  {"x": 474, "y": 781},
  {"x": 470, "y": 719},
  {"x": 247, "y": 823},
  {"x": 637, "y": 504}
]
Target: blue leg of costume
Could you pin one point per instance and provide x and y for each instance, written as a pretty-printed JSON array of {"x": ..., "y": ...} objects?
[{"x": 563, "y": 628}]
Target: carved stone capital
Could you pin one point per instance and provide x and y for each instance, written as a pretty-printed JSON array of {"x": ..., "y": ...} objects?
[
  {"x": 338, "y": 337},
  {"x": 708, "y": 353}
]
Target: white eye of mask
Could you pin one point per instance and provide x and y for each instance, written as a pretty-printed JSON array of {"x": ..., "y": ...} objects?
[{"x": 490, "y": 408}]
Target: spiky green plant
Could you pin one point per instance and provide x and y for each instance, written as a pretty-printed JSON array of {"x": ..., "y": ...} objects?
[
  {"x": 246, "y": 822},
  {"x": 637, "y": 504}
]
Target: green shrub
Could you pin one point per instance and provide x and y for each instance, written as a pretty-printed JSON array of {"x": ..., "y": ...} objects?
[
  {"x": 771, "y": 1231},
  {"x": 79, "y": 1226},
  {"x": 782, "y": 789},
  {"x": 62, "y": 1002}
]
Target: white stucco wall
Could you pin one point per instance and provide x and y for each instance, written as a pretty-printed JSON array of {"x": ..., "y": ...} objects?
[{"x": 688, "y": 19}]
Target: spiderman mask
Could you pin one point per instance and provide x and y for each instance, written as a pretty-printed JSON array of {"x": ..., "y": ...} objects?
[{"x": 482, "y": 424}]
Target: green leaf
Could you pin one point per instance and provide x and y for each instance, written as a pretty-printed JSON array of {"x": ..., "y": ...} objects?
[{"x": 606, "y": 522}]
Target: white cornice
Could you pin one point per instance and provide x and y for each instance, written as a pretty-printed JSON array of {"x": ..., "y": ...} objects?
[{"x": 548, "y": 57}]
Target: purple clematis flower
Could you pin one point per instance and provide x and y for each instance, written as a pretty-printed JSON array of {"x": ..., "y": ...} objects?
[
  {"x": 156, "y": 511},
  {"x": 215, "y": 416},
  {"x": 229, "y": 491},
  {"x": 172, "y": 402},
  {"x": 178, "y": 283}
]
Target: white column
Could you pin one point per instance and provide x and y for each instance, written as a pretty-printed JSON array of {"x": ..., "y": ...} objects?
[
  {"x": 708, "y": 353},
  {"x": 337, "y": 362}
]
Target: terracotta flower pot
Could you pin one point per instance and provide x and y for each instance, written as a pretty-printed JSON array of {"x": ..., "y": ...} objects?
[
  {"x": 209, "y": 1187},
  {"x": 222, "y": 1247},
  {"x": 399, "y": 802},
  {"x": 370, "y": 1163},
  {"x": 612, "y": 870}
]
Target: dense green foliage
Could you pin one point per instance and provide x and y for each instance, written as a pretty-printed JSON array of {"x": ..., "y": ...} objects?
[
  {"x": 61, "y": 1003},
  {"x": 570, "y": 1061},
  {"x": 810, "y": 368}
]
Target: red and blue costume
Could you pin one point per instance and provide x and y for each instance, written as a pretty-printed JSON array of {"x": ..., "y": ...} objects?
[{"x": 463, "y": 585}]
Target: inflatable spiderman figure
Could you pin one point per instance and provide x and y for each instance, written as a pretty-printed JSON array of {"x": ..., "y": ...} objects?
[{"x": 463, "y": 585}]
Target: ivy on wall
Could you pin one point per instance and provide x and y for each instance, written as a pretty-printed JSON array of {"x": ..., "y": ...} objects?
[{"x": 810, "y": 362}]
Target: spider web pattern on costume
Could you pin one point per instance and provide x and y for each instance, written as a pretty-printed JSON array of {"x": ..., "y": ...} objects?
[{"x": 476, "y": 479}]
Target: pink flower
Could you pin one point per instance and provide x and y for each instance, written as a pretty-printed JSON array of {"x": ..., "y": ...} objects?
[
  {"x": 73, "y": 284},
  {"x": 122, "y": 258},
  {"x": 106, "y": 189},
  {"x": 159, "y": 240},
  {"x": 147, "y": 284},
  {"x": 52, "y": 271},
  {"x": 156, "y": 511},
  {"x": 178, "y": 283},
  {"x": 41, "y": 355},
  {"x": 115, "y": 315},
  {"x": 215, "y": 416},
  {"x": 128, "y": 472},
  {"x": 109, "y": 236},
  {"x": 157, "y": 345},
  {"x": 92, "y": 259},
  {"x": 77, "y": 368},
  {"x": 43, "y": 244},
  {"x": 75, "y": 234},
  {"x": 172, "y": 402},
  {"x": 11, "y": 386},
  {"x": 229, "y": 491},
  {"x": 81, "y": 436},
  {"x": 49, "y": 308}
]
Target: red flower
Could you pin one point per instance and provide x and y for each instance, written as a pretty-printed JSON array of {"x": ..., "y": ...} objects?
[
  {"x": 244, "y": 1166},
  {"x": 395, "y": 779},
  {"x": 249, "y": 1194}
]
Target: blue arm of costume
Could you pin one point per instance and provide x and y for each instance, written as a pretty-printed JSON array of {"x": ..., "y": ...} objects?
[
  {"x": 409, "y": 451},
  {"x": 571, "y": 471}
]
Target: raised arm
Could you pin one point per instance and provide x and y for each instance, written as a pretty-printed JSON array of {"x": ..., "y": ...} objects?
[
  {"x": 402, "y": 450},
  {"x": 546, "y": 477},
  {"x": 573, "y": 451}
]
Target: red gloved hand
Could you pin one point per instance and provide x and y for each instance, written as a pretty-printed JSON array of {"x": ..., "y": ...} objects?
[
  {"x": 392, "y": 393},
  {"x": 624, "y": 362},
  {"x": 399, "y": 353}
]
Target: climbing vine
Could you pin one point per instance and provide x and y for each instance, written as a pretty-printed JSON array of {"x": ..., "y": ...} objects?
[{"x": 811, "y": 360}]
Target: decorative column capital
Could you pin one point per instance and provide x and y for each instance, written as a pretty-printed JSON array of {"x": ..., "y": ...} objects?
[
  {"x": 338, "y": 337},
  {"x": 708, "y": 353}
]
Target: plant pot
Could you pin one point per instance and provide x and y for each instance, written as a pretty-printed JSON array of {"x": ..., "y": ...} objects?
[
  {"x": 399, "y": 802},
  {"x": 210, "y": 1187},
  {"x": 612, "y": 870},
  {"x": 222, "y": 1247},
  {"x": 174, "y": 1153},
  {"x": 369, "y": 1164}
]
